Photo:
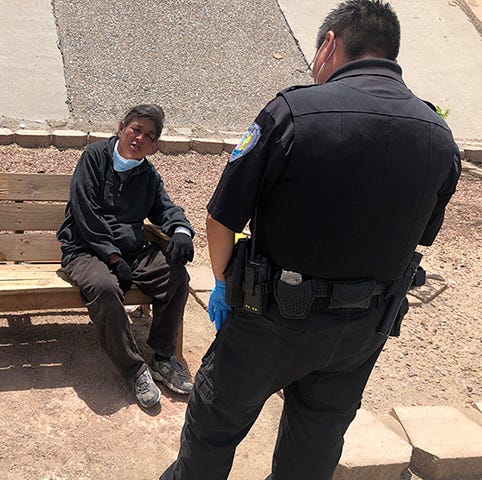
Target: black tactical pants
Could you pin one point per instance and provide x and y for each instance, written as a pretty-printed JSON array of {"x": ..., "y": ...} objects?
[
  {"x": 166, "y": 285},
  {"x": 321, "y": 363}
]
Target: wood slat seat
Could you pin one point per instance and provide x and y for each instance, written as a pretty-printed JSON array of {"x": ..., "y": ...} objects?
[{"x": 31, "y": 209}]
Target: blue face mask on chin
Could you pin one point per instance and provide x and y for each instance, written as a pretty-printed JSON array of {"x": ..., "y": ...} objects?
[{"x": 121, "y": 164}]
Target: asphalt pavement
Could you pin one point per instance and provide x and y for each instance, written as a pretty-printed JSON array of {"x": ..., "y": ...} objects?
[{"x": 212, "y": 65}]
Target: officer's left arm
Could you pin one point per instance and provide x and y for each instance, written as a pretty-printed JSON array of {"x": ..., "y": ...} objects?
[{"x": 437, "y": 217}]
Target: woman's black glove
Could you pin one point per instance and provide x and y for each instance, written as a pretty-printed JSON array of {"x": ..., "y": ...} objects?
[
  {"x": 180, "y": 249},
  {"x": 123, "y": 273}
]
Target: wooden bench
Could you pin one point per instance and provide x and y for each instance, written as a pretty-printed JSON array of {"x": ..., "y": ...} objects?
[{"x": 31, "y": 209}]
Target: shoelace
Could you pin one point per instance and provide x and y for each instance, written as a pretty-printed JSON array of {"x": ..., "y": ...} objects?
[
  {"x": 178, "y": 370},
  {"x": 143, "y": 386}
]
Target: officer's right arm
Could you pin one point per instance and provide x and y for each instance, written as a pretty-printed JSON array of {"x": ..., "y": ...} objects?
[{"x": 253, "y": 164}]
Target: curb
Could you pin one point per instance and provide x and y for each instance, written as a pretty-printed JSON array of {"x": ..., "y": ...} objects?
[
  {"x": 471, "y": 155},
  {"x": 471, "y": 151},
  {"x": 168, "y": 144}
]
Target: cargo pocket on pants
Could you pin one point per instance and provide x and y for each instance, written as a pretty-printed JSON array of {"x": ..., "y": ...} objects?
[{"x": 205, "y": 388}]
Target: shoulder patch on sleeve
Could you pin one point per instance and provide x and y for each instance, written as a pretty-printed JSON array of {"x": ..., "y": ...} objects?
[{"x": 247, "y": 143}]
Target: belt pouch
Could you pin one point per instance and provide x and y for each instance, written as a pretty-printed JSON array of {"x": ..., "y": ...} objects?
[
  {"x": 234, "y": 273},
  {"x": 294, "y": 301},
  {"x": 352, "y": 295}
]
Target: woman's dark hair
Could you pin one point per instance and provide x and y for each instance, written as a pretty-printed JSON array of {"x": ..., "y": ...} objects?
[{"x": 149, "y": 110}]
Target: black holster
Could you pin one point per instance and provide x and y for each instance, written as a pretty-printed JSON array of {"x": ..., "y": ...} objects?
[
  {"x": 397, "y": 307},
  {"x": 235, "y": 272},
  {"x": 248, "y": 280},
  {"x": 257, "y": 284},
  {"x": 294, "y": 301}
]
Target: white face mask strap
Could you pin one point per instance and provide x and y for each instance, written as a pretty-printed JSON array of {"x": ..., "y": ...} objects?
[{"x": 326, "y": 60}]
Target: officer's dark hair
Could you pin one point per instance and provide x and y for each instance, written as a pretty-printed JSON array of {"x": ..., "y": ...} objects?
[
  {"x": 148, "y": 110},
  {"x": 366, "y": 27}
]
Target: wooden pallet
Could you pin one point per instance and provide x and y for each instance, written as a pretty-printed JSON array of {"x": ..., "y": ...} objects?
[{"x": 31, "y": 209}]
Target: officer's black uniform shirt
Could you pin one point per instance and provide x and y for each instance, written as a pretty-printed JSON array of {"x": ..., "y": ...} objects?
[
  {"x": 322, "y": 208},
  {"x": 234, "y": 200}
]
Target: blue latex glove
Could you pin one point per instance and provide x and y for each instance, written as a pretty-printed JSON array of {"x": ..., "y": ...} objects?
[{"x": 218, "y": 309}]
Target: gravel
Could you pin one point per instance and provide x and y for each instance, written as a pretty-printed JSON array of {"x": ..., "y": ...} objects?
[{"x": 436, "y": 360}]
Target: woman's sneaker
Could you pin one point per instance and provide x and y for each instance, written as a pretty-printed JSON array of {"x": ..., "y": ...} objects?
[
  {"x": 172, "y": 374},
  {"x": 147, "y": 392}
]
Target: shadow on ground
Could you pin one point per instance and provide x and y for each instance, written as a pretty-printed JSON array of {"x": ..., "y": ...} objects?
[{"x": 42, "y": 351}]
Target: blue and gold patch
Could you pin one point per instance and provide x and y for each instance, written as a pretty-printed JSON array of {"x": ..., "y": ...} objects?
[{"x": 247, "y": 143}]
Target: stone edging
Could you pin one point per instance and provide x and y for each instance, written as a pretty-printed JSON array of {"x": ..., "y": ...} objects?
[
  {"x": 168, "y": 144},
  {"x": 177, "y": 144},
  {"x": 471, "y": 154}
]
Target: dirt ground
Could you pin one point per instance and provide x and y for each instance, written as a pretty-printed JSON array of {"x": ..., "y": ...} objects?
[{"x": 67, "y": 414}]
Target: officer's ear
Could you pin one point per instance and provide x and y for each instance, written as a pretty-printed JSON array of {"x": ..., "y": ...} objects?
[{"x": 322, "y": 56}]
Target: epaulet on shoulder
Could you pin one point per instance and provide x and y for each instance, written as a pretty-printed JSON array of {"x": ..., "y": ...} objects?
[
  {"x": 294, "y": 87},
  {"x": 429, "y": 104}
]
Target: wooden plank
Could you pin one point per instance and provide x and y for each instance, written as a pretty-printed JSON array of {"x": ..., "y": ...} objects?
[
  {"x": 27, "y": 247},
  {"x": 13, "y": 271},
  {"x": 39, "y": 300},
  {"x": 48, "y": 300},
  {"x": 35, "y": 186},
  {"x": 50, "y": 284},
  {"x": 31, "y": 216},
  {"x": 53, "y": 286},
  {"x": 29, "y": 266},
  {"x": 22, "y": 281}
]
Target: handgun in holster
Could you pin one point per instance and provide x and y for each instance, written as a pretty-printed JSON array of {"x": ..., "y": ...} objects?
[{"x": 397, "y": 308}]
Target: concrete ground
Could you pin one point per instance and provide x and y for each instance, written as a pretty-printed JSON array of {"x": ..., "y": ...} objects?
[
  {"x": 212, "y": 65},
  {"x": 440, "y": 54}
]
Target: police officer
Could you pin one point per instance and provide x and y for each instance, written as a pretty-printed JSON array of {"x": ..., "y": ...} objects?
[{"x": 341, "y": 181}]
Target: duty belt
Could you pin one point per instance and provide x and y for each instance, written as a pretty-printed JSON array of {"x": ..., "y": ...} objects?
[
  {"x": 355, "y": 294},
  {"x": 295, "y": 300},
  {"x": 323, "y": 289}
]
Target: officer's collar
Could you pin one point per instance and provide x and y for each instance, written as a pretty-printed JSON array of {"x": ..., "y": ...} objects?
[{"x": 368, "y": 66}]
